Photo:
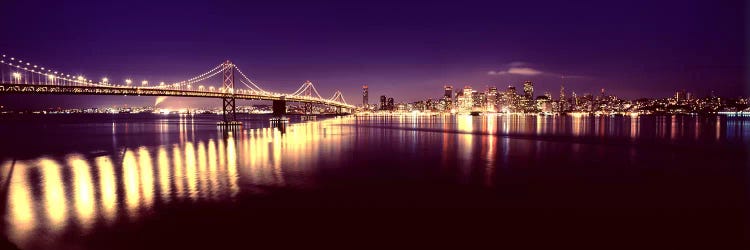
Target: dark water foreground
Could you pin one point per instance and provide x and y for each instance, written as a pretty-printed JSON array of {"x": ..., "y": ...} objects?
[{"x": 149, "y": 181}]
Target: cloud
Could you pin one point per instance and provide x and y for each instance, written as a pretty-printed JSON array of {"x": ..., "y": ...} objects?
[{"x": 525, "y": 71}]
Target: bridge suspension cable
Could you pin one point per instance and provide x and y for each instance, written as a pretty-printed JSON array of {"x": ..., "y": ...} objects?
[
  {"x": 259, "y": 89},
  {"x": 338, "y": 96},
  {"x": 211, "y": 73},
  {"x": 43, "y": 75},
  {"x": 15, "y": 72},
  {"x": 309, "y": 88}
]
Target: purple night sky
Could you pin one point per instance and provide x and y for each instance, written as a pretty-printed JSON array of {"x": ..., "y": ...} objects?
[{"x": 406, "y": 50}]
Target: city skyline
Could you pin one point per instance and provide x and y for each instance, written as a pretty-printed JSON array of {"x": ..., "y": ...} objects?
[{"x": 399, "y": 50}]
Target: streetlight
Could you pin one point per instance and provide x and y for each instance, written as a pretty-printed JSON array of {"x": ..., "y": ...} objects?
[
  {"x": 80, "y": 78},
  {"x": 51, "y": 78},
  {"x": 105, "y": 80},
  {"x": 128, "y": 82},
  {"x": 144, "y": 83}
]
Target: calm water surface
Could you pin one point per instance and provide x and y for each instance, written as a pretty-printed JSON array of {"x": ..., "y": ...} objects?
[{"x": 141, "y": 181}]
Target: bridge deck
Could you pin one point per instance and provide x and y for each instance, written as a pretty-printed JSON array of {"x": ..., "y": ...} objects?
[{"x": 9, "y": 88}]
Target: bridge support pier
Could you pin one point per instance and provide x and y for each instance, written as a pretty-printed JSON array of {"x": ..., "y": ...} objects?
[
  {"x": 279, "y": 108},
  {"x": 279, "y": 114}
]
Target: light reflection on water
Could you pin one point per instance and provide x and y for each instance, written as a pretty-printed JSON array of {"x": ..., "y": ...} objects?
[{"x": 49, "y": 195}]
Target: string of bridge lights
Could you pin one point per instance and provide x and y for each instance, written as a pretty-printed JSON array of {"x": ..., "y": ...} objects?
[
  {"x": 200, "y": 77},
  {"x": 57, "y": 76},
  {"x": 338, "y": 94},
  {"x": 248, "y": 79},
  {"x": 305, "y": 87},
  {"x": 49, "y": 74}
]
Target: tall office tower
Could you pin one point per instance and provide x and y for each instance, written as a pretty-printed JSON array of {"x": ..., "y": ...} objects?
[
  {"x": 680, "y": 95},
  {"x": 493, "y": 97},
  {"x": 562, "y": 93},
  {"x": 563, "y": 106},
  {"x": 465, "y": 99},
  {"x": 479, "y": 98},
  {"x": 511, "y": 98},
  {"x": 511, "y": 90},
  {"x": 528, "y": 90},
  {"x": 391, "y": 106},
  {"x": 448, "y": 92},
  {"x": 383, "y": 103},
  {"x": 365, "y": 96},
  {"x": 529, "y": 105}
]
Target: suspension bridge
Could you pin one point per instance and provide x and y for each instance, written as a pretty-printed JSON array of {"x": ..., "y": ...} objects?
[{"x": 21, "y": 77}]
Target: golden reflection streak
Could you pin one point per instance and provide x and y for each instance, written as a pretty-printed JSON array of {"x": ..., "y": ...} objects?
[
  {"x": 131, "y": 181},
  {"x": 146, "y": 167},
  {"x": 164, "y": 180},
  {"x": 83, "y": 190},
  {"x": 202, "y": 173},
  {"x": 20, "y": 205},
  {"x": 465, "y": 124},
  {"x": 54, "y": 193},
  {"x": 190, "y": 170},
  {"x": 491, "y": 150},
  {"x": 673, "y": 127},
  {"x": 178, "y": 176},
  {"x": 277, "y": 158},
  {"x": 232, "y": 165},
  {"x": 212, "y": 168},
  {"x": 697, "y": 131},
  {"x": 718, "y": 128},
  {"x": 634, "y": 127},
  {"x": 107, "y": 187}
]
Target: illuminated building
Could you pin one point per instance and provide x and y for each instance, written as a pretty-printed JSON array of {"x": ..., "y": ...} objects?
[
  {"x": 492, "y": 99},
  {"x": 563, "y": 104},
  {"x": 528, "y": 90},
  {"x": 448, "y": 92},
  {"x": 447, "y": 101},
  {"x": 383, "y": 102},
  {"x": 365, "y": 96},
  {"x": 465, "y": 100},
  {"x": 529, "y": 105}
]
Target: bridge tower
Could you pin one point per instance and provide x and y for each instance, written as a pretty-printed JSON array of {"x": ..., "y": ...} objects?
[{"x": 229, "y": 108}]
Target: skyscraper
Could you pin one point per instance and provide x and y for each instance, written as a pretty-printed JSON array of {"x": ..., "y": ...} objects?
[
  {"x": 448, "y": 92},
  {"x": 511, "y": 99},
  {"x": 493, "y": 97},
  {"x": 529, "y": 104},
  {"x": 465, "y": 100},
  {"x": 365, "y": 96},
  {"x": 562, "y": 92},
  {"x": 383, "y": 103},
  {"x": 528, "y": 90},
  {"x": 447, "y": 100},
  {"x": 391, "y": 106}
]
